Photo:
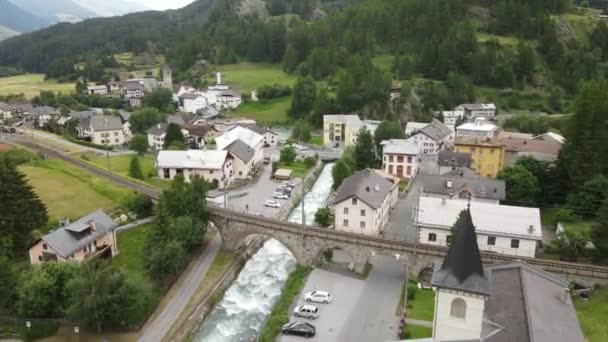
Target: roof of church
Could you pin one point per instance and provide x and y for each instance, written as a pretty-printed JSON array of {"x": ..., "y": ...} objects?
[{"x": 462, "y": 268}]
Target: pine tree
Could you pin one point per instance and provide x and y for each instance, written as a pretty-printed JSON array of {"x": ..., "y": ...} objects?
[
  {"x": 599, "y": 230},
  {"x": 364, "y": 150},
  {"x": 21, "y": 211},
  {"x": 340, "y": 172},
  {"x": 174, "y": 135},
  {"x": 135, "y": 168}
]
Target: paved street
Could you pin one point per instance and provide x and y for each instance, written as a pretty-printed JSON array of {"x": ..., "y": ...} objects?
[{"x": 180, "y": 294}]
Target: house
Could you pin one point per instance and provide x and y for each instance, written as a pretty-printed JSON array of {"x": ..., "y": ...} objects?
[
  {"x": 432, "y": 138},
  {"x": 126, "y": 125},
  {"x": 97, "y": 90},
  {"x": 283, "y": 174},
  {"x": 10, "y": 110},
  {"x": 363, "y": 203},
  {"x": 200, "y": 134},
  {"x": 400, "y": 157},
  {"x": 213, "y": 166},
  {"x": 451, "y": 118},
  {"x": 551, "y": 136},
  {"x": 243, "y": 162},
  {"x": 44, "y": 114},
  {"x": 91, "y": 235},
  {"x": 450, "y": 160},
  {"x": 488, "y": 155},
  {"x": 247, "y": 136},
  {"x": 503, "y": 302},
  {"x": 5, "y": 112},
  {"x": 107, "y": 130},
  {"x": 270, "y": 138},
  {"x": 133, "y": 89},
  {"x": 500, "y": 228},
  {"x": 476, "y": 110},
  {"x": 192, "y": 103},
  {"x": 223, "y": 125},
  {"x": 544, "y": 150},
  {"x": 516, "y": 135},
  {"x": 83, "y": 122},
  {"x": 156, "y": 136},
  {"x": 341, "y": 128},
  {"x": 480, "y": 128},
  {"x": 228, "y": 99},
  {"x": 114, "y": 87},
  {"x": 413, "y": 127},
  {"x": 464, "y": 185}
]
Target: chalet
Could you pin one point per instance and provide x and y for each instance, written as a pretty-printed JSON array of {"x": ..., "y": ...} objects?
[
  {"x": 97, "y": 90},
  {"x": 247, "y": 136},
  {"x": 432, "y": 138},
  {"x": 106, "y": 130},
  {"x": 213, "y": 166}
]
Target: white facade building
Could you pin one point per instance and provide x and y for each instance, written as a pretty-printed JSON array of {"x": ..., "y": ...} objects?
[
  {"x": 413, "y": 127},
  {"x": 106, "y": 130},
  {"x": 451, "y": 117},
  {"x": 400, "y": 157},
  {"x": 247, "y": 136},
  {"x": 432, "y": 138},
  {"x": 156, "y": 136},
  {"x": 97, "y": 90},
  {"x": 500, "y": 228},
  {"x": 481, "y": 128},
  {"x": 191, "y": 103},
  {"x": 213, "y": 166},
  {"x": 476, "y": 110}
]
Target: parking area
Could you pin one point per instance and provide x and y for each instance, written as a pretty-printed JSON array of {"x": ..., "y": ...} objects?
[{"x": 333, "y": 317}]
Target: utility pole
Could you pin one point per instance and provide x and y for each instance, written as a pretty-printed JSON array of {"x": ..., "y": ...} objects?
[
  {"x": 303, "y": 215},
  {"x": 108, "y": 157},
  {"x": 416, "y": 211}
]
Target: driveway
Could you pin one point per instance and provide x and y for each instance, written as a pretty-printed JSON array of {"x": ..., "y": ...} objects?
[{"x": 401, "y": 220}]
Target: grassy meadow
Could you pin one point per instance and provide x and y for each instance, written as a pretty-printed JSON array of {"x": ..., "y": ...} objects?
[{"x": 31, "y": 85}]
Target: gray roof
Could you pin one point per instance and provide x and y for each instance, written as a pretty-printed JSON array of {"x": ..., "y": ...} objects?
[
  {"x": 81, "y": 114},
  {"x": 124, "y": 115},
  {"x": 157, "y": 129},
  {"x": 450, "y": 158},
  {"x": 436, "y": 130},
  {"x": 105, "y": 123},
  {"x": 528, "y": 304},
  {"x": 460, "y": 186},
  {"x": 84, "y": 121},
  {"x": 73, "y": 237},
  {"x": 46, "y": 110},
  {"x": 188, "y": 96},
  {"x": 367, "y": 186},
  {"x": 240, "y": 150},
  {"x": 259, "y": 130},
  {"x": 133, "y": 85}
]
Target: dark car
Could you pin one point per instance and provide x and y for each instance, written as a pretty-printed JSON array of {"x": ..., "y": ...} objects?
[{"x": 299, "y": 329}]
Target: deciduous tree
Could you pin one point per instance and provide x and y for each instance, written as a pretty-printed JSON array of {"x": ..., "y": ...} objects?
[
  {"x": 139, "y": 143},
  {"x": 174, "y": 135},
  {"x": 522, "y": 186},
  {"x": 135, "y": 168}
]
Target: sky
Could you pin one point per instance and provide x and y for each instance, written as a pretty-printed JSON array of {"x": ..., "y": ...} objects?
[{"x": 163, "y": 4}]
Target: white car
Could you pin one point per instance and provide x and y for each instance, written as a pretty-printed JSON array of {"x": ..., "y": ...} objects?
[
  {"x": 306, "y": 311},
  {"x": 318, "y": 297},
  {"x": 278, "y": 195},
  {"x": 272, "y": 204}
]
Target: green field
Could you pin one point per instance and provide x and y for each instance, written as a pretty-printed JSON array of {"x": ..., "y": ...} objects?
[
  {"x": 138, "y": 65},
  {"x": 71, "y": 192},
  {"x": 316, "y": 140},
  {"x": 414, "y": 331},
  {"x": 507, "y": 41},
  {"x": 592, "y": 315},
  {"x": 246, "y": 77},
  {"x": 423, "y": 306},
  {"x": 120, "y": 165},
  {"x": 383, "y": 62},
  {"x": 271, "y": 111},
  {"x": 300, "y": 170},
  {"x": 31, "y": 85}
]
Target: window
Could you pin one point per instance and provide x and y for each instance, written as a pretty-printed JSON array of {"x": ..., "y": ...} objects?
[
  {"x": 391, "y": 158},
  {"x": 40, "y": 258},
  {"x": 115, "y": 134},
  {"x": 472, "y": 149},
  {"x": 491, "y": 240},
  {"x": 362, "y": 212},
  {"x": 345, "y": 223},
  {"x": 240, "y": 173},
  {"x": 354, "y": 201},
  {"x": 514, "y": 243},
  {"x": 210, "y": 172},
  {"x": 399, "y": 159},
  {"x": 346, "y": 211},
  {"x": 448, "y": 239},
  {"x": 458, "y": 309},
  {"x": 432, "y": 237},
  {"x": 362, "y": 224},
  {"x": 409, "y": 159},
  {"x": 44, "y": 246}
]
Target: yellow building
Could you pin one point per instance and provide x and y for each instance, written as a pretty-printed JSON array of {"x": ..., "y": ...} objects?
[
  {"x": 488, "y": 155},
  {"x": 341, "y": 128}
]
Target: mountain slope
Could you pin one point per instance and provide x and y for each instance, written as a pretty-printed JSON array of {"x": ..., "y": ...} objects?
[
  {"x": 132, "y": 32},
  {"x": 6, "y": 32},
  {"x": 17, "y": 19},
  {"x": 57, "y": 10},
  {"x": 104, "y": 8}
]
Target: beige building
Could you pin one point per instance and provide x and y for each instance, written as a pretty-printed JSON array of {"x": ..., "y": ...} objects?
[
  {"x": 400, "y": 157},
  {"x": 213, "y": 166},
  {"x": 107, "y": 130},
  {"x": 92, "y": 235},
  {"x": 363, "y": 202}
]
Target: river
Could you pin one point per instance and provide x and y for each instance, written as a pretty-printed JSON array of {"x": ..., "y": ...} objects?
[{"x": 241, "y": 314}]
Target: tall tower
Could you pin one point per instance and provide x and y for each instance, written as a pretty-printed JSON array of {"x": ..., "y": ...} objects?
[
  {"x": 462, "y": 287},
  {"x": 167, "y": 77}
]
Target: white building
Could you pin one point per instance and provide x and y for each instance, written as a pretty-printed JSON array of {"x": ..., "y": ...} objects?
[
  {"x": 476, "y": 110},
  {"x": 270, "y": 138},
  {"x": 413, "y": 127},
  {"x": 400, "y": 157},
  {"x": 228, "y": 99},
  {"x": 213, "y": 166},
  {"x": 243, "y": 163},
  {"x": 247, "y": 136},
  {"x": 363, "y": 203},
  {"x": 191, "y": 103},
  {"x": 97, "y": 90},
  {"x": 133, "y": 89},
  {"x": 500, "y": 228},
  {"x": 450, "y": 118},
  {"x": 107, "y": 130},
  {"x": 156, "y": 136},
  {"x": 481, "y": 128},
  {"x": 433, "y": 137}
]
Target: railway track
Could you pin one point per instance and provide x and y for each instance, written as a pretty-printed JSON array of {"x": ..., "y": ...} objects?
[{"x": 593, "y": 271}]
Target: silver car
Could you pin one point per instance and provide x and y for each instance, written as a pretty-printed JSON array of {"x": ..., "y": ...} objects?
[{"x": 306, "y": 311}]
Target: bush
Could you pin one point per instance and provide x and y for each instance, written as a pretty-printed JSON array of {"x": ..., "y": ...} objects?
[
  {"x": 412, "y": 290},
  {"x": 87, "y": 143},
  {"x": 310, "y": 161},
  {"x": 266, "y": 92},
  {"x": 38, "y": 330},
  {"x": 141, "y": 205},
  {"x": 275, "y": 166},
  {"x": 565, "y": 215},
  {"x": 19, "y": 156}
]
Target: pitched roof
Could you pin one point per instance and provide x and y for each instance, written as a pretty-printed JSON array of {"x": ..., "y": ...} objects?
[
  {"x": 158, "y": 129},
  {"x": 436, "y": 130},
  {"x": 249, "y": 137},
  {"x": 351, "y": 119},
  {"x": 81, "y": 114},
  {"x": 105, "y": 123},
  {"x": 456, "y": 159},
  {"x": 367, "y": 186},
  {"x": 477, "y": 106},
  {"x": 258, "y": 129},
  {"x": 240, "y": 150},
  {"x": 460, "y": 186},
  {"x": 462, "y": 268},
  {"x": 199, "y": 130},
  {"x": 508, "y": 135},
  {"x": 124, "y": 115},
  {"x": 69, "y": 239},
  {"x": 529, "y": 304},
  {"x": 46, "y": 110},
  {"x": 192, "y": 159},
  {"x": 551, "y": 136},
  {"x": 532, "y": 145},
  {"x": 400, "y": 146},
  {"x": 133, "y": 85}
]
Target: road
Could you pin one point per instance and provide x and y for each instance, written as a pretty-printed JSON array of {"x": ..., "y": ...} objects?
[
  {"x": 56, "y": 141},
  {"x": 184, "y": 289}
]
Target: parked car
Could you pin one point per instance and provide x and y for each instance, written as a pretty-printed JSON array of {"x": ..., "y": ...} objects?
[
  {"x": 299, "y": 329},
  {"x": 306, "y": 311},
  {"x": 278, "y": 195},
  {"x": 272, "y": 204},
  {"x": 288, "y": 185},
  {"x": 318, "y": 297}
]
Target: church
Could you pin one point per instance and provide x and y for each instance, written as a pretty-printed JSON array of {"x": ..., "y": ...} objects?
[{"x": 506, "y": 302}]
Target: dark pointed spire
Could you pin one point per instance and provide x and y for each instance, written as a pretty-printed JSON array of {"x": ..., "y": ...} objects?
[{"x": 463, "y": 258}]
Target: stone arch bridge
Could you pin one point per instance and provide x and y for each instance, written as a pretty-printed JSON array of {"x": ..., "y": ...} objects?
[{"x": 307, "y": 244}]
